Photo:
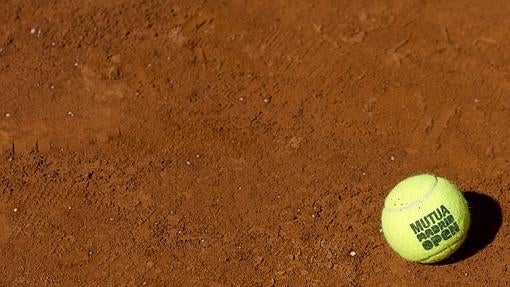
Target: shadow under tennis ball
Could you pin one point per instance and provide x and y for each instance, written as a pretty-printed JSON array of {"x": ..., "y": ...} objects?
[{"x": 486, "y": 219}]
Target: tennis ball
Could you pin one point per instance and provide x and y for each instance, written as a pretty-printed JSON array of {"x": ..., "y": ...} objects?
[{"x": 425, "y": 218}]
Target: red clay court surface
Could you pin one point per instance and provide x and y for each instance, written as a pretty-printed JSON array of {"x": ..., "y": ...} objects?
[{"x": 246, "y": 143}]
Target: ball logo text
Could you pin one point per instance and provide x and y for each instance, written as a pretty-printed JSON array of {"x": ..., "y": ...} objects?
[{"x": 437, "y": 226}]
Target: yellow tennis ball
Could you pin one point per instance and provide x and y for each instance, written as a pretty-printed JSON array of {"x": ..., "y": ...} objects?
[{"x": 425, "y": 218}]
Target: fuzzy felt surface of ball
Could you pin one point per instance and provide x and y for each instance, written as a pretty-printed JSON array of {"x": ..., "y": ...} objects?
[{"x": 425, "y": 218}]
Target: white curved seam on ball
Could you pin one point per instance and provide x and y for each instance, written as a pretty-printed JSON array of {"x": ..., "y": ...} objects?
[{"x": 417, "y": 201}]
